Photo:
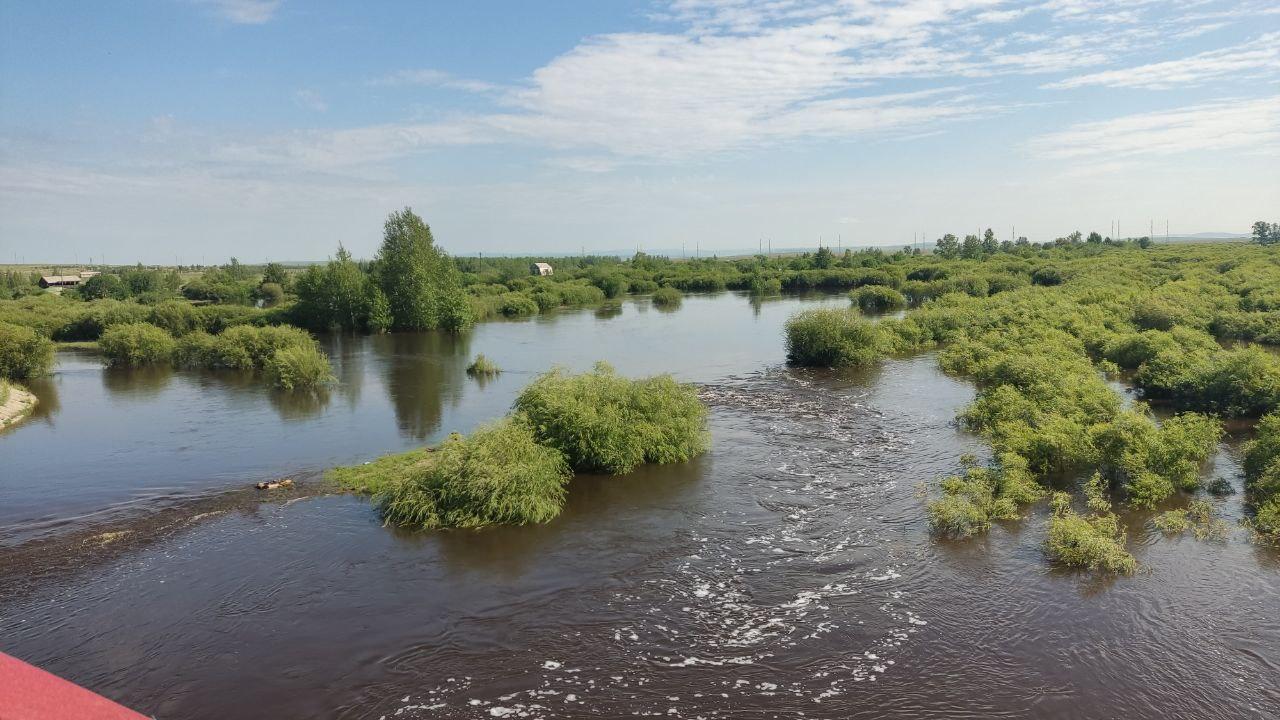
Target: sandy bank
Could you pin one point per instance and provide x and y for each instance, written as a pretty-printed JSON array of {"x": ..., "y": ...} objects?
[{"x": 17, "y": 407}]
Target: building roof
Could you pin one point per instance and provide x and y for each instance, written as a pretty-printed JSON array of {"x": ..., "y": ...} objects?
[
  {"x": 542, "y": 265},
  {"x": 57, "y": 279}
]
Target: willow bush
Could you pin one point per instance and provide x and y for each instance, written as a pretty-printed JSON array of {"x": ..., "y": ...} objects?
[
  {"x": 607, "y": 423},
  {"x": 499, "y": 475},
  {"x": 23, "y": 352},
  {"x": 877, "y": 298},
  {"x": 833, "y": 338},
  {"x": 136, "y": 344}
]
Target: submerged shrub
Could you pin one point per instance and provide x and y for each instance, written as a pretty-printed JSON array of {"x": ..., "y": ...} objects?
[
  {"x": 603, "y": 422},
  {"x": 136, "y": 344},
  {"x": 516, "y": 305},
  {"x": 667, "y": 296},
  {"x": 483, "y": 366},
  {"x": 298, "y": 367},
  {"x": 832, "y": 338},
  {"x": 970, "y": 502},
  {"x": 24, "y": 352},
  {"x": 877, "y": 298},
  {"x": 499, "y": 475},
  {"x": 1095, "y": 542}
]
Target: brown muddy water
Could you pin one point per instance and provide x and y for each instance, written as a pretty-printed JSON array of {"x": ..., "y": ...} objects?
[{"x": 788, "y": 573}]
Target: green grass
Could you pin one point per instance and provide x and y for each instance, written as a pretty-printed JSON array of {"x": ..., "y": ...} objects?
[{"x": 378, "y": 476}]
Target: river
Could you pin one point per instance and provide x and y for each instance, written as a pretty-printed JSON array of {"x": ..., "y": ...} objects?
[{"x": 788, "y": 573}]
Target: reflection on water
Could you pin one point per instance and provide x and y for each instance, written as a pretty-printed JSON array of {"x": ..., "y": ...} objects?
[
  {"x": 134, "y": 436},
  {"x": 422, "y": 376},
  {"x": 787, "y": 573}
]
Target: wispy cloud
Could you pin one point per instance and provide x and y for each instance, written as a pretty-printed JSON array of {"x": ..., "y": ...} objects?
[
  {"x": 1261, "y": 55},
  {"x": 432, "y": 78},
  {"x": 1223, "y": 125},
  {"x": 244, "y": 12},
  {"x": 311, "y": 100}
]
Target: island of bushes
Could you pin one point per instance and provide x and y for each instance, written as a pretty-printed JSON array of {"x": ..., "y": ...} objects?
[
  {"x": 515, "y": 471},
  {"x": 1040, "y": 348}
]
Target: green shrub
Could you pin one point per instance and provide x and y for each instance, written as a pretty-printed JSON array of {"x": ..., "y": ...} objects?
[
  {"x": 298, "y": 367},
  {"x": 606, "y": 423},
  {"x": 175, "y": 317},
  {"x": 377, "y": 477},
  {"x": 516, "y": 304},
  {"x": 483, "y": 366},
  {"x": 832, "y": 338},
  {"x": 667, "y": 297},
  {"x": 1095, "y": 542},
  {"x": 1047, "y": 275},
  {"x": 24, "y": 352},
  {"x": 877, "y": 298},
  {"x": 499, "y": 475},
  {"x": 764, "y": 286},
  {"x": 136, "y": 344},
  {"x": 970, "y": 502}
]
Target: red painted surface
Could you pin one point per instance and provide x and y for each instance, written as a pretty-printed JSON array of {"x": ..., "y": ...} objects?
[{"x": 29, "y": 693}]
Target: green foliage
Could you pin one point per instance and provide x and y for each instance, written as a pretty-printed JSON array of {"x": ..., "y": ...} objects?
[
  {"x": 298, "y": 367},
  {"x": 176, "y": 317},
  {"x": 516, "y": 305},
  {"x": 500, "y": 475},
  {"x": 423, "y": 287},
  {"x": 606, "y": 423},
  {"x": 483, "y": 366},
  {"x": 667, "y": 297},
  {"x": 1094, "y": 542},
  {"x": 1047, "y": 275},
  {"x": 136, "y": 344},
  {"x": 877, "y": 298},
  {"x": 833, "y": 338},
  {"x": 1199, "y": 517},
  {"x": 337, "y": 296},
  {"x": 24, "y": 353},
  {"x": 969, "y": 503}
]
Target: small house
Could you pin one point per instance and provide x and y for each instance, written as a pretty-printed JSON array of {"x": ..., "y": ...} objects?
[
  {"x": 48, "y": 281},
  {"x": 543, "y": 269}
]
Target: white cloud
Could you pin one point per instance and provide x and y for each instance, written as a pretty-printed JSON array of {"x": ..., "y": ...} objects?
[
  {"x": 1261, "y": 55},
  {"x": 1222, "y": 125},
  {"x": 244, "y": 12},
  {"x": 311, "y": 100},
  {"x": 432, "y": 78}
]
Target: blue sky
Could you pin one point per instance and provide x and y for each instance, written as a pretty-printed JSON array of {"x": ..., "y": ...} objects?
[{"x": 158, "y": 130}]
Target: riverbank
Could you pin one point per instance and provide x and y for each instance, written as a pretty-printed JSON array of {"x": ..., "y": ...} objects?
[{"x": 17, "y": 404}]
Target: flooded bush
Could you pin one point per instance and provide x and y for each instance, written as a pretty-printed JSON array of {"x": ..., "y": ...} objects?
[
  {"x": 1151, "y": 462},
  {"x": 970, "y": 502},
  {"x": 175, "y": 317},
  {"x": 761, "y": 286},
  {"x": 24, "y": 352},
  {"x": 136, "y": 344},
  {"x": 499, "y": 475},
  {"x": 1199, "y": 517},
  {"x": 606, "y": 423},
  {"x": 483, "y": 366},
  {"x": 877, "y": 298},
  {"x": 298, "y": 367},
  {"x": 667, "y": 297},
  {"x": 516, "y": 305},
  {"x": 833, "y": 338},
  {"x": 1094, "y": 542}
]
